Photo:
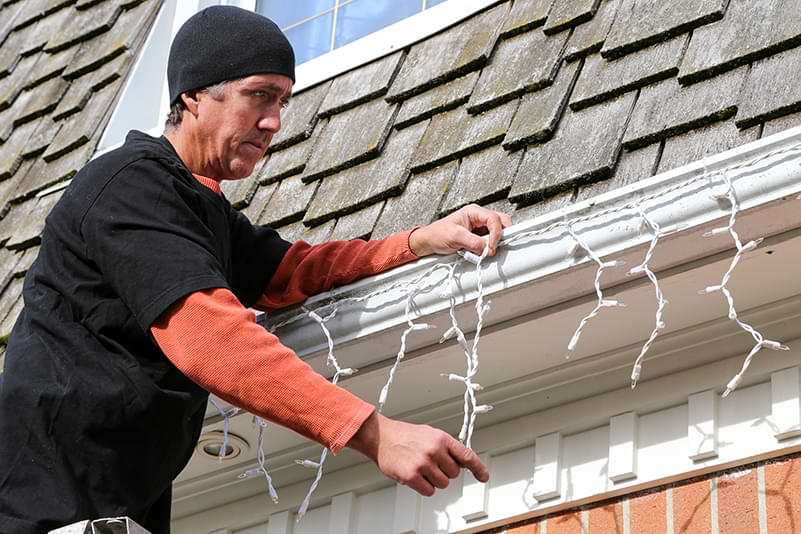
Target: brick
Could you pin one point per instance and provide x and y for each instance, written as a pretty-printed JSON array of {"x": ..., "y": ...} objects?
[
  {"x": 782, "y": 486},
  {"x": 738, "y": 503},
  {"x": 648, "y": 513},
  {"x": 449, "y": 55},
  {"x": 607, "y": 519},
  {"x": 533, "y": 528},
  {"x": 565, "y": 524},
  {"x": 692, "y": 508}
]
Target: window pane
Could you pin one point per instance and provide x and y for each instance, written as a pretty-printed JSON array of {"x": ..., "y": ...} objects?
[
  {"x": 360, "y": 17},
  {"x": 432, "y": 3},
  {"x": 287, "y": 12},
  {"x": 312, "y": 38}
]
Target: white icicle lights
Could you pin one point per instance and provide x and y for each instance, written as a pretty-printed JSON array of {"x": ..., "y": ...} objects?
[{"x": 432, "y": 278}]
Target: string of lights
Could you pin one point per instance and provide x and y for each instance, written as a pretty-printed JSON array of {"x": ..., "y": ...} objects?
[
  {"x": 445, "y": 273},
  {"x": 760, "y": 342}
]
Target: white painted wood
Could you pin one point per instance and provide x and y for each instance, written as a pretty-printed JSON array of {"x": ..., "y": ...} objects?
[
  {"x": 786, "y": 403},
  {"x": 341, "y": 514},
  {"x": 623, "y": 447},
  {"x": 406, "y": 519},
  {"x": 547, "y": 467},
  {"x": 475, "y": 494},
  {"x": 702, "y": 425},
  {"x": 745, "y": 431},
  {"x": 280, "y": 523}
]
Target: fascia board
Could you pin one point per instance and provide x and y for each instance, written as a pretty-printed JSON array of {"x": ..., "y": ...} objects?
[{"x": 774, "y": 182}]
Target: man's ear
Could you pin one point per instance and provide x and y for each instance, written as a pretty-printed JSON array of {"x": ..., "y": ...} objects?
[{"x": 190, "y": 100}]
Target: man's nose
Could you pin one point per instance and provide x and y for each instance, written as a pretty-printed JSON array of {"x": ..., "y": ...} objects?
[{"x": 271, "y": 121}]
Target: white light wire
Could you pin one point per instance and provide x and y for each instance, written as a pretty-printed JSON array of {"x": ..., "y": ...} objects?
[
  {"x": 471, "y": 406},
  {"x": 332, "y": 362},
  {"x": 602, "y": 302},
  {"x": 262, "y": 468},
  {"x": 731, "y": 196},
  {"x": 661, "y": 302},
  {"x": 226, "y": 415},
  {"x": 413, "y": 327},
  {"x": 427, "y": 280}
]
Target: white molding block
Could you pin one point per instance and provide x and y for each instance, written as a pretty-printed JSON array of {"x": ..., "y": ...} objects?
[
  {"x": 475, "y": 494},
  {"x": 548, "y": 467},
  {"x": 280, "y": 523},
  {"x": 623, "y": 447},
  {"x": 786, "y": 403},
  {"x": 702, "y": 425},
  {"x": 341, "y": 517},
  {"x": 407, "y": 511}
]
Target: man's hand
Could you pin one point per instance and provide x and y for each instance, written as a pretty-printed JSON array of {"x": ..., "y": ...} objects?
[
  {"x": 456, "y": 232},
  {"x": 417, "y": 456}
]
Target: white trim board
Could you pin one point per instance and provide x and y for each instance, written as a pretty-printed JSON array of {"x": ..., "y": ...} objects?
[{"x": 746, "y": 433}]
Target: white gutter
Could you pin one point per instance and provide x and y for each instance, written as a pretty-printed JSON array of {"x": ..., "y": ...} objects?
[{"x": 521, "y": 277}]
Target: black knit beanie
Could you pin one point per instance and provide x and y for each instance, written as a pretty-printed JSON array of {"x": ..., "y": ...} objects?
[{"x": 223, "y": 43}]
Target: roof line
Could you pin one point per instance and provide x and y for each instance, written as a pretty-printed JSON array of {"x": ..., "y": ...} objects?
[{"x": 763, "y": 172}]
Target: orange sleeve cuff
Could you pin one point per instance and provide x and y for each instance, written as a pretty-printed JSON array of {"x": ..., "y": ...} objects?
[
  {"x": 216, "y": 342},
  {"x": 307, "y": 270}
]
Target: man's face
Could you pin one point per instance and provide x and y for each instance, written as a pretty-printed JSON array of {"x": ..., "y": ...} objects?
[{"x": 236, "y": 128}]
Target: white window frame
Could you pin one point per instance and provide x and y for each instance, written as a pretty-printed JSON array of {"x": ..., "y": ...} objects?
[{"x": 329, "y": 65}]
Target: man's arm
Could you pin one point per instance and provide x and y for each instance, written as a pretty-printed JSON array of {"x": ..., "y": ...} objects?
[
  {"x": 215, "y": 341},
  {"x": 307, "y": 270}
]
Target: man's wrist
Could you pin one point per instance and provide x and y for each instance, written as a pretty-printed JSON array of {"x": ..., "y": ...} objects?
[
  {"x": 365, "y": 440},
  {"x": 417, "y": 242}
]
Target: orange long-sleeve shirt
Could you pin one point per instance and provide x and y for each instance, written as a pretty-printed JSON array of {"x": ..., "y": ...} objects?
[{"x": 216, "y": 342}]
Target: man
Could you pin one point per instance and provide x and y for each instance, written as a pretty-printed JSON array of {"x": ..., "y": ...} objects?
[{"x": 137, "y": 305}]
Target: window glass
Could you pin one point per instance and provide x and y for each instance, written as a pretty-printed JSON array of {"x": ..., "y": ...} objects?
[
  {"x": 311, "y": 38},
  {"x": 315, "y": 27},
  {"x": 286, "y": 13},
  {"x": 361, "y": 17}
]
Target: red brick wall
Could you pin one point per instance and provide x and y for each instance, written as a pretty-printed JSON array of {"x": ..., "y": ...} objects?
[{"x": 753, "y": 499}]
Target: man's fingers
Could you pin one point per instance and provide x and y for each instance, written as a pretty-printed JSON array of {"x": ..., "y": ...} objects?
[
  {"x": 421, "y": 486},
  {"x": 435, "y": 476},
  {"x": 492, "y": 221},
  {"x": 466, "y": 239},
  {"x": 449, "y": 466},
  {"x": 469, "y": 459}
]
